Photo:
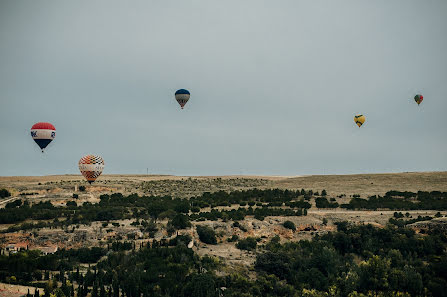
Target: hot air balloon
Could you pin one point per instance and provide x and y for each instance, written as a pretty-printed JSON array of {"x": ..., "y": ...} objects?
[
  {"x": 182, "y": 96},
  {"x": 359, "y": 120},
  {"x": 91, "y": 167},
  {"x": 418, "y": 98},
  {"x": 43, "y": 134}
]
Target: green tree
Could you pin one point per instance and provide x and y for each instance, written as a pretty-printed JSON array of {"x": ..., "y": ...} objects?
[
  {"x": 4, "y": 193},
  {"x": 374, "y": 274},
  {"x": 248, "y": 244},
  {"x": 289, "y": 225},
  {"x": 180, "y": 221},
  {"x": 206, "y": 234}
]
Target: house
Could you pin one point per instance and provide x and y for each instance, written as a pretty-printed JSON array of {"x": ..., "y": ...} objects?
[{"x": 15, "y": 247}]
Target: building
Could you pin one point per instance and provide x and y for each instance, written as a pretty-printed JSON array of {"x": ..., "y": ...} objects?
[{"x": 15, "y": 247}]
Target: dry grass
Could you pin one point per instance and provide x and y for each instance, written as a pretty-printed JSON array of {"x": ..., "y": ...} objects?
[{"x": 368, "y": 184}]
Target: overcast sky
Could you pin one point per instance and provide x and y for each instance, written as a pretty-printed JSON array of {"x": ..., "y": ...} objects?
[{"x": 274, "y": 86}]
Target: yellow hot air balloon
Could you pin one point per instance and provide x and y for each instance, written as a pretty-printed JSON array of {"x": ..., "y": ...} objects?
[{"x": 359, "y": 120}]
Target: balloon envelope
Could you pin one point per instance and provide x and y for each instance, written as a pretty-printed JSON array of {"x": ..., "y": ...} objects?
[
  {"x": 43, "y": 133},
  {"x": 91, "y": 167},
  {"x": 359, "y": 119},
  {"x": 418, "y": 98},
  {"x": 182, "y": 96}
]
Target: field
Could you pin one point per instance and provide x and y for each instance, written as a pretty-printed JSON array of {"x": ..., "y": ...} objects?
[
  {"x": 60, "y": 189},
  {"x": 63, "y": 189}
]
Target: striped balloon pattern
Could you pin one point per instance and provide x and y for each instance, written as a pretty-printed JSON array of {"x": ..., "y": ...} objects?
[
  {"x": 418, "y": 98},
  {"x": 91, "y": 167},
  {"x": 359, "y": 120},
  {"x": 182, "y": 96},
  {"x": 43, "y": 134}
]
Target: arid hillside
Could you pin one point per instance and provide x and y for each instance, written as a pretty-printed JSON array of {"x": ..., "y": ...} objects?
[{"x": 368, "y": 184}]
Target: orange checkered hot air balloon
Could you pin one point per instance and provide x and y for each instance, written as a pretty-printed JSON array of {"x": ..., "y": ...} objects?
[{"x": 91, "y": 167}]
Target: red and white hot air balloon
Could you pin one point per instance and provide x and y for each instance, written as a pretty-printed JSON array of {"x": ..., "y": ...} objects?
[
  {"x": 91, "y": 167},
  {"x": 43, "y": 133}
]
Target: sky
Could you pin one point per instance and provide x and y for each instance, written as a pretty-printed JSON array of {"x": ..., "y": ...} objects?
[{"x": 274, "y": 86}]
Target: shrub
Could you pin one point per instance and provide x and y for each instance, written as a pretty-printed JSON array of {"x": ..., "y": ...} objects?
[
  {"x": 76, "y": 196},
  {"x": 323, "y": 193},
  {"x": 259, "y": 216},
  {"x": 289, "y": 225},
  {"x": 4, "y": 193},
  {"x": 233, "y": 238},
  {"x": 206, "y": 234},
  {"x": 248, "y": 244},
  {"x": 81, "y": 188},
  {"x": 72, "y": 203}
]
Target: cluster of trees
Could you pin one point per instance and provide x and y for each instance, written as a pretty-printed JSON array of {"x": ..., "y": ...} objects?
[
  {"x": 398, "y": 219},
  {"x": 117, "y": 207},
  {"x": 396, "y": 200},
  {"x": 29, "y": 265},
  {"x": 322, "y": 202},
  {"x": 241, "y": 213},
  {"x": 223, "y": 198},
  {"x": 393, "y": 260},
  {"x": 353, "y": 261}
]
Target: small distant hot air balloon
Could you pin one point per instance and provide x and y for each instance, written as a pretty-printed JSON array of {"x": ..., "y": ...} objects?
[
  {"x": 418, "y": 98},
  {"x": 43, "y": 134},
  {"x": 182, "y": 96},
  {"x": 359, "y": 120},
  {"x": 91, "y": 167}
]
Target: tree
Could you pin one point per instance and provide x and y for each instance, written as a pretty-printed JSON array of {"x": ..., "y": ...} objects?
[
  {"x": 323, "y": 193},
  {"x": 374, "y": 274},
  {"x": 4, "y": 193},
  {"x": 201, "y": 285},
  {"x": 180, "y": 221},
  {"x": 206, "y": 234},
  {"x": 289, "y": 225},
  {"x": 248, "y": 244},
  {"x": 95, "y": 289}
]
